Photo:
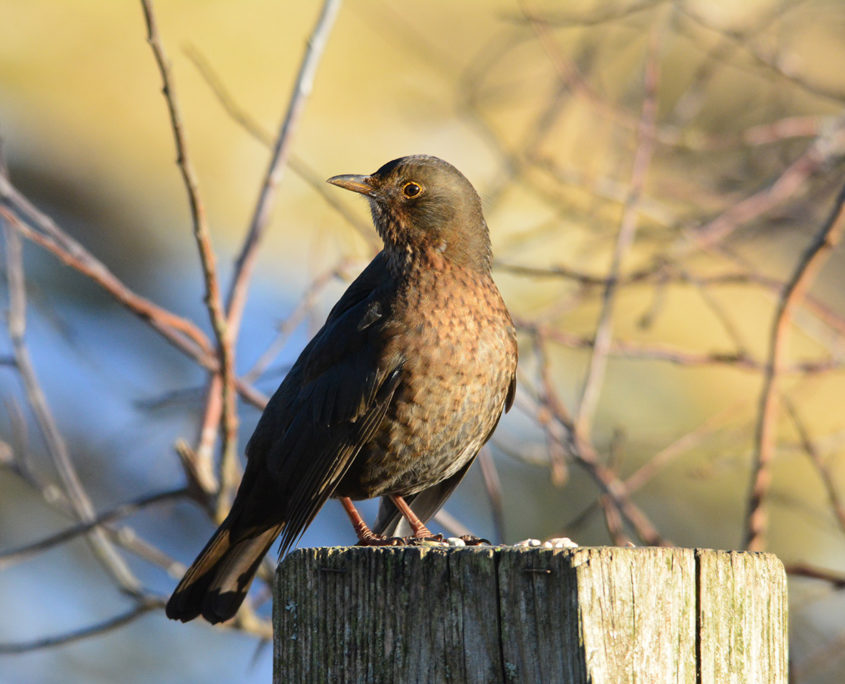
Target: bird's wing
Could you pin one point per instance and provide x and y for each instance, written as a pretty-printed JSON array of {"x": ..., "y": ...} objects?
[
  {"x": 330, "y": 404},
  {"x": 312, "y": 458}
]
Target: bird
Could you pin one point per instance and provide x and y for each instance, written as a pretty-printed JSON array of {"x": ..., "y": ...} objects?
[{"x": 393, "y": 397}]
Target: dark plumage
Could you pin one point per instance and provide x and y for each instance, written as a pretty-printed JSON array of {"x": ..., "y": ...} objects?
[{"x": 393, "y": 397}]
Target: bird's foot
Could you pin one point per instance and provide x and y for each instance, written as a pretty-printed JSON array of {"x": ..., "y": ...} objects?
[
  {"x": 382, "y": 541},
  {"x": 378, "y": 540},
  {"x": 416, "y": 540},
  {"x": 440, "y": 540},
  {"x": 366, "y": 537}
]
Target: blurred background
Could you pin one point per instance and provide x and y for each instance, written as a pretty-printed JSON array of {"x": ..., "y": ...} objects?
[{"x": 654, "y": 175}]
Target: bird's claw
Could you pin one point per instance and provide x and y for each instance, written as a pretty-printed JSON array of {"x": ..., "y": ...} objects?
[
  {"x": 440, "y": 540},
  {"x": 426, "y": 539},
  {"x": 378, "y": 540}
]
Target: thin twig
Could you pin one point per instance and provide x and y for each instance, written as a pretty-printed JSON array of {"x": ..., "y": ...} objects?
[
  {"x": 569, "y": 74},
  {"x": 212, "y": 414},
  {"x": 555, "y": 440},
  {"x": 693, "y": 98},
  {"x": 302, "y": 89},
  {"x": 627, "y": 230},
  {"x": 587, "y": 458},
  {"x": 105, "y": 552},
  {"x": 54, "y": 497},
  {"x": 301, "y": 168},
  {"x": 236, "y": 298},
  {"x": 682, "y": 444},
  {"x": 663, "y": 271},
  {"x": 180, "y": 332},
  {"x": 13, "y": 556},
  {"x": 728, "y": 324},
  {"x": 778, "y": 67},
  {"x": 790, "y": 181},
  {"x": 44, "y": 232},
  {"x": 756, "y": 521},
  {"x": 658, "y": 352},
  {"x": 213, "y": 300},
  {"x": 289, "y": 324},
  {"x": 660, "y": 460},
  {"x": 835, "y": 579},
  {"x": 613, "y": 522},
  {"x": 836, "y": 503},
  {"x": 142, "y": 607},
  {"x": 600, "y": 14}
]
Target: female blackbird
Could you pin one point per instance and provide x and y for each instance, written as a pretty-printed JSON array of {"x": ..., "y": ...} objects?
[{"x": 393, "y": 397}]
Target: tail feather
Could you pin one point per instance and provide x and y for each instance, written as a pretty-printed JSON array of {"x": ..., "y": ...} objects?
[{"x": 217, "y": 582}]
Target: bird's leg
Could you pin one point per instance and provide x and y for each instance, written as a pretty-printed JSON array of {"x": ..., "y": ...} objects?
[
  {"x": 417, "y": 527},
  {"x": 366, "y": 537}
]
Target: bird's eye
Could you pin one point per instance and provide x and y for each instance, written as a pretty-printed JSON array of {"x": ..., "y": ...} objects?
[{"x": 411, "y": 190}]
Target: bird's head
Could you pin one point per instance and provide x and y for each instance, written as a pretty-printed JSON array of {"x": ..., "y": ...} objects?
[{"x": 424, "y": 203}]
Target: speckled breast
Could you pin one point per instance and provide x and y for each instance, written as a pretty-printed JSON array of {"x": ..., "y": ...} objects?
[{"x": 459, "y": 345}]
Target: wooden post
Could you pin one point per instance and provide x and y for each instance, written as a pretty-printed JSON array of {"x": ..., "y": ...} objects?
[{"x": 506, "y": 614}]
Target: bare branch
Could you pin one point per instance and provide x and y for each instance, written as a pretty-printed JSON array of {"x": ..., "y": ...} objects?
[
  {"x": 182, "y": 333},
  {"x": 587, "y": 458},
  {"x": 13, "y": 556},
  {"x": 756, "y": 521},
  {"x": 245, "y": 262},
  {"x": 789, "y": 182},
  {"x": 141, "y": 608},
  {"x": 262, "y": 135},
  {"x": 287, "y": 326},
  {"x": 835, "y": 579},
  {"x": 213, "y": 301},
  {"x": 679, "y": 446},
  {"x": 600, "y": 14},
  {"x": 56, "y": 446},
  {"x": 302, "y": 88},
  {"x": 778, "y": 67},
  {"x": 836, "y": 503},
  {"x": 659, "y": 352},
  {"x": 627, "y": 230}
]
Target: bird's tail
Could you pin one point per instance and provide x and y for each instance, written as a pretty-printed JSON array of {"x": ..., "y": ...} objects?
[{"x": 217, "y": 582}]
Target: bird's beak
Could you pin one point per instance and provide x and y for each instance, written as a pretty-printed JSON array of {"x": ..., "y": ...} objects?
[{"x": 360, "y": 184}]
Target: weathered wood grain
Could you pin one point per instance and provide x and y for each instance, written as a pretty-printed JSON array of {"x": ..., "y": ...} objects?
[
  {"x": 505, "y": 614},
  {"x": 742, "y": 617}
]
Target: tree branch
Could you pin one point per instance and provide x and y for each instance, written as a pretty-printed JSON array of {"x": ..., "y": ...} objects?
[
  {"x": 141, "y": 608},
  {"x": 13, "y": 556},
  {"x": 225, "y": 387},
  {"x": 594, "y": 379},
  {"x": 756, "y": 521},
  {"x": 103, "y": 549}
]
